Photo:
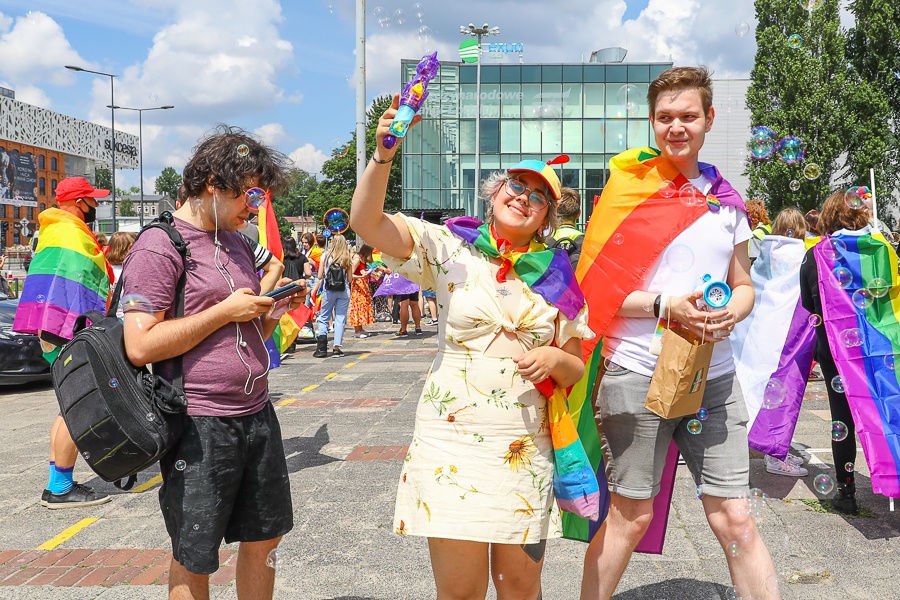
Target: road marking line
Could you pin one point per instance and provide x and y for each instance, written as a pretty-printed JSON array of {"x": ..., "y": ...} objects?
[
  {"x": 348, "y": 365},
  {"x": 65, "y": 535},
  {"x": 331, "y": 375},
  {"x": 147, "y": 484},
  {"x": 366, "y": 355},
  {"x": 287, "y": 401},
  {"x": 310, "y": 388}
]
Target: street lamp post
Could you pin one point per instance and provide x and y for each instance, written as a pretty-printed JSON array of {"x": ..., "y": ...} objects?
[
  {"x": 140, "y": 112},
  {"x": 112, "y": 101},
  {"x": 478, "y": 33}
]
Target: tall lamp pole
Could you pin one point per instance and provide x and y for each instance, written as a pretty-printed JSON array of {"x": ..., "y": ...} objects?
[
  {"x": 112, "y": 101},
  {"x": 140, "y": 112},
  {"x": 478, "y": 33}
]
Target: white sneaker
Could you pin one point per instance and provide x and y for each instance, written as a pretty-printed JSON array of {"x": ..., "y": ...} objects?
[
  {"x": 784, "y": 467},
  {"x": 794, "y": 460}
]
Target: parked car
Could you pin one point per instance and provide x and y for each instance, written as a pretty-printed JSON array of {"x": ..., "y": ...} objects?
[{"x": 21, "y": 359}]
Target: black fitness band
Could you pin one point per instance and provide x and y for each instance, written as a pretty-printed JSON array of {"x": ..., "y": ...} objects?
[{"x": 656, "y": 306}]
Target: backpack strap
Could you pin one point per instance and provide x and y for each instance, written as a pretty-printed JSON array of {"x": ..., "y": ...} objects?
[{"x": 166, "y": 222}]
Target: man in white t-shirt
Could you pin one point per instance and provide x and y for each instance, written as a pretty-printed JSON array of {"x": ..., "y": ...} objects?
[{"x": 703, "y": 236}]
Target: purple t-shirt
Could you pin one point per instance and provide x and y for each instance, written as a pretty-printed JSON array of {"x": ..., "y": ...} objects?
[{"x": 225, "y": 375}]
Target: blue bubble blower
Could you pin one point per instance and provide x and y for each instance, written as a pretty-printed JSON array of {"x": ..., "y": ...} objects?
[
  {"x": 716, "y": 295},
  {"x": 411, "y": 100}
]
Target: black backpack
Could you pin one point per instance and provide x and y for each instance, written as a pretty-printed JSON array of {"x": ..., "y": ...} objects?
[
  {"x": 335, "y": 278},
  {"x": 122, "y": 418}
]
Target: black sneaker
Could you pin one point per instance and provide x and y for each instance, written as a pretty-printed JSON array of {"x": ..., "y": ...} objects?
[
  {"x": 401, "y": 334},
  {"x": 844, "y": 500},
  {"x": 418, "y": 331},
  {"x": 80, "y": 495},
  {"x": 337, "y": 353}
]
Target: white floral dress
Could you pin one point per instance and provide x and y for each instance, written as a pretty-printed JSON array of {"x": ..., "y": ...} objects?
[{"x": 480, "y": 464}]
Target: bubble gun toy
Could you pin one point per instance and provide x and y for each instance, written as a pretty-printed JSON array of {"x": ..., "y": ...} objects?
[
  {"x": 716, "y": 295},
  {"x": 412, "y": 98}
]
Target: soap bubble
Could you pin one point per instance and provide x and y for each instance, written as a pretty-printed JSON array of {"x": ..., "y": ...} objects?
[
  {"x": 839, "y": 431},
  {"x": 626, "y": 97},
  {"x": 773, "y": 393},
  {"x": 691, "y": 195},
  {"x": 812, "y": 171},
  {"x": 379, "y": 13},
  {"x": 823, "y": 484},
  {"x": 113, "y": 383},
  {"x": 795, "y": 40},
  {"x": 811, "y": 5},
  {"x": 419, "y": 11},
  {"x": 680, "y": 258},
  {"x": 272, "y": 559},
  {"x": 843, "y": 277},
  {"x": 889, "y": 361},
  {"x": 243, "y": 150},
  {"x": 742, "y": 29},
  {"x": 618, "y": 239},
  {"x": 733, "y": 549},
  {"x": 400, "y": 16},
  {"x": 151, "y": 417},
  {"x": 196, "y": 527},
  {"x": 703, "y": 414},
  {"x": 667, "y": 189},
  {"x": 862, "y": 299},
  {"x": 180, "y": 465},
  {"x": 699, "y": 492},
  {"x": 647, "y": 306},
  {"x": 794, "y": 185},
  {"x": 694, "y": 426},
  {"x": 851, "y": 338},
  {"x": 849, "y": 467},
  {"x": 153, "y": 97},
  {"x": 791, "y": 149},
  {"x": 41, "y": 298},
  {"x": 762, "y": 142},
  {"x": 837, "y": 384},
  {"x": 878, "y": 287},
  {"x": 857, "y": 196}
]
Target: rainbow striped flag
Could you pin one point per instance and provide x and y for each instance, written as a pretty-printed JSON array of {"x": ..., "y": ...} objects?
[
  {"x": 773, "y": 347},
  {"x": 641, "y": 210},
  {"x": 69, "y": 276},
  {"x": 862, "y": 320},
  {"x": 269, "y": 236}
]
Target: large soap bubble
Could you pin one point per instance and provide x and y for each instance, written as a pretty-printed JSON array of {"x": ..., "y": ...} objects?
[{"x": 791, "y": 149}]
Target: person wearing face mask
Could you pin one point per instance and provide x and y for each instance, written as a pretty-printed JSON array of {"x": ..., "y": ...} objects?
[{"x": 69, "y": 275}]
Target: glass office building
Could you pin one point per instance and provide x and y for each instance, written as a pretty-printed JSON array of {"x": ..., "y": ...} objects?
[{"x": 590, "y": 111}]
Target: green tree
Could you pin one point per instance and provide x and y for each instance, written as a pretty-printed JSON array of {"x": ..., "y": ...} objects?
[
  {"x": 800, "y": 91},
  {"x": 126, "y": 208},
  {"x": 336, "y": 190},
  {"x": 103, "y": 178},
  {"x": 168, "y": 182},
  {"x": 293, "y": 201},
  {"x": 874, "y": 134},
  {"x": 134, "y": 189}
]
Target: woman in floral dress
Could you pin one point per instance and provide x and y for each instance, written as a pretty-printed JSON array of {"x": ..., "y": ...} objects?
[
  {"x": 478, "y": 478},
  {"x": 361, "y": 311}
]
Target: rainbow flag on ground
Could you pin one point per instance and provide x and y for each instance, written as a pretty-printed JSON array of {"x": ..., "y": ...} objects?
[
  {"x": 69, "y": 276},
  {"x": 639, "y": 213},
  {"x": 862, "y": 320},
  {"x": 773, "y": 347}
]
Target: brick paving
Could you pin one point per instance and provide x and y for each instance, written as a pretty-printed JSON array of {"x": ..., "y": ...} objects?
[{"x": 378, "y": 453}]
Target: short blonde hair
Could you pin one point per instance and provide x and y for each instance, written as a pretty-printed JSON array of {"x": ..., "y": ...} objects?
[
  {"x": 790, "y": 222},
  {"x": 492, "y": 184}
]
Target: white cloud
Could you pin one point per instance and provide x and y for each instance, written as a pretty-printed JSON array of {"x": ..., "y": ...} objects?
[
  {"x": 272, "y": 134},
  {"x": 309, "y": 158}
]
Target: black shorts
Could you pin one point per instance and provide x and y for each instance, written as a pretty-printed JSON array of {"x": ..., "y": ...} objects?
[
  {"x": 414, "y": 297},
  {"x": 228, "y": 479}
]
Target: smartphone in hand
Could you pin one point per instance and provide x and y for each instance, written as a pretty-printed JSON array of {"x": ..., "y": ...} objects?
[{"x": 284, "y": 291}]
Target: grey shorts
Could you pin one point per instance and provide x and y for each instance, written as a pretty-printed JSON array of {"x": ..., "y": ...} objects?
[{"x": 635, "y": 440}]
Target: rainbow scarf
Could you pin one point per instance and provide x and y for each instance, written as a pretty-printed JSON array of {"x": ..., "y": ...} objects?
[
  {"x": 864, "y": 337},
  {"x": 546, "y": 271},
  {"x": 69, "y": 276},
  {"x": 634, "y": 220}
]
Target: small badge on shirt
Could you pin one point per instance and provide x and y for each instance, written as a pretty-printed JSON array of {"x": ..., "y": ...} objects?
[{"x": 713, "y": 203}]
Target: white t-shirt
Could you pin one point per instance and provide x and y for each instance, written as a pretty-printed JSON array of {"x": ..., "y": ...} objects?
[{"x": 704, "y": 248}]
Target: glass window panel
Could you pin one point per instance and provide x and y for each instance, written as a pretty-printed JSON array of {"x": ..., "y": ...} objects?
[
  {"x": 431, "y": 136},
  {"x": 615, "y": 135},
  {"x": 593, "y": 135},
  {"x": 639, "y": 134},
  {"x": 569, "y": 177},
  {"x": 637, "y": 100},
  {"x": 510, "y": 74},
  {"x": 431, "y": 170},
  {"x": 431, "y": 198},
  {"x": 655, "y": 70},
  {"x": 616, "y": 100},
  {"x": 594, "y": 100},
  {"x": 551, "y": 73},
  {"x": 489, "y": 162},
  {"x": 467, "y": 137},
  {"x": 413, "y": 141},
  {"x": 490, "y": 100},
  {"x": 616, "y": 73},
  {"x": 490, "y": 135},
  {"x": 449, "y": 74},
  {"x": 467, "y": 74},
  {"x": 531, "y": 73},
  {"x": 638, "y": 72},
  {"x": 572, "y": 137},
  {"x": 510, "y": 135},
  {"x": 511, "y": 100},
  {"x": 594, "y": 73},
  {"x": 53, "y": 163},
  {"x": 551, "y": 101},
  {"x": 572, "y": 73},
  {"x": 531, "y": 100},
  {"x": 449, "y": 136},
  {"x": 467, "y": 101},
  {"x": 531, "y": 135},
  {"x": 412, "y": 176},
  {"x": 41, "y": 161},
  {"x": 551, "y": 136},
  {"x": 571, "y": 95},
  {"x": 450, "y": 171},
  {"x": 448, "y": 94},
  {"x": 490, "y": 74}
]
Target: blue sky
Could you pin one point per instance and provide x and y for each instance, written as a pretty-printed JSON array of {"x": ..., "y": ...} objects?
[{"x": 284, "y": 69}]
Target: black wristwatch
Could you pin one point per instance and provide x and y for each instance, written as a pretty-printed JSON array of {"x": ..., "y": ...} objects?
[{"x": 656, "y": 305}]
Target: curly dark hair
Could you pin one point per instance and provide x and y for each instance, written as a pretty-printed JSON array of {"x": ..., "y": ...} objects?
[{"x": 228, "y": 158}]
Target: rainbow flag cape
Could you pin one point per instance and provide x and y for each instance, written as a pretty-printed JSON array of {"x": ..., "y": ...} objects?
[
  {"x": 773, "y": 347},
  {"x": 547, "y": 271},
  {"x": 639, "y": 213},
  {"x": 575, "y": 482},
  {"x": 862, "y": 321},
  {"x": 69, "y": 276},
  {"x": 269, "y": 236}
]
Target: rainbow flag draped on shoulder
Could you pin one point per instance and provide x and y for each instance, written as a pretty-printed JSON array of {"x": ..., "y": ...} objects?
[
  {"x": 773, "y": 347},
  {"x": 69, "y": 276},
  {"x": 639, "y": 213},
  {"x": 862, "y": 320}
]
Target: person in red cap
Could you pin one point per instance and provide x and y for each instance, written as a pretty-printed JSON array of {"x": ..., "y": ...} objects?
[{"x": 69, "y": 275}]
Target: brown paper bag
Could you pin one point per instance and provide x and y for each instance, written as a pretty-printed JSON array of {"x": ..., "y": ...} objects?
[{"x": 679, "y": 380}]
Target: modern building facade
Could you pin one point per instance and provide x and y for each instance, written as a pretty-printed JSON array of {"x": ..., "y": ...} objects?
[
  {"x": 39, "y": 148},
  {"x": 589, "y": 111}
]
